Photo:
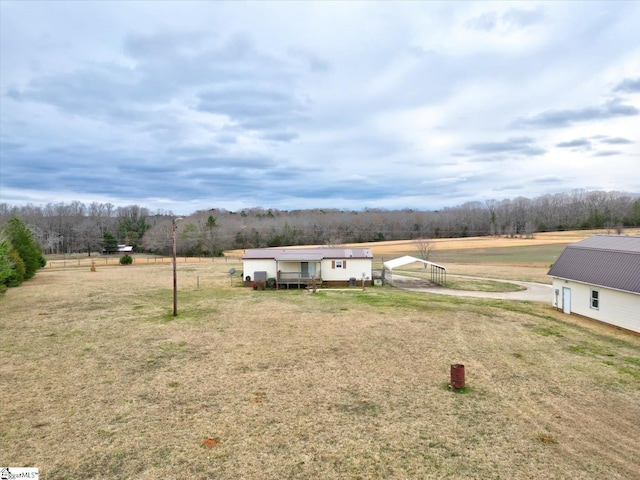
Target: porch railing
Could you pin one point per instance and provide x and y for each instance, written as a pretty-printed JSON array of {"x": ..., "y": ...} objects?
[{"x": 296, "y": 277}]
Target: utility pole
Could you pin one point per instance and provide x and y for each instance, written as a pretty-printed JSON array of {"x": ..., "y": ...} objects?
[{"x": 175, "y": 273}]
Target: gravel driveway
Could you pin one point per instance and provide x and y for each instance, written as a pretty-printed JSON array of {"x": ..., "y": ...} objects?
[{"x": 535, "y": 292}]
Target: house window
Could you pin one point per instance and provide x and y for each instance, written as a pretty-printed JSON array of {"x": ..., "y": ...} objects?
[
  {"x": 338, "y": 263},
  {"x": 595, "y": 299}
]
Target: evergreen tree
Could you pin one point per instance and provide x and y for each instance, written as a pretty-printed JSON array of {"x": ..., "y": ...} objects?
[
  {"x": 17, "y": 269},
  {"x": 132, "y": 226},
  {"x": 22, "y": 241},
  {"x": 5, "y": 264},
  {"x": 109, "y": 243}
]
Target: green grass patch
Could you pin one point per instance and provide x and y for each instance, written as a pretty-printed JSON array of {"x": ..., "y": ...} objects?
[
  {"x": 459, "y": 391},
  {"x": 542, "y": 254},
  {"x": 592, "y": 350},
  {"x": 473, "y": 285},
  {"x": 635, "y": 373},
  {"x": 548, "y": 330},
  {"x": 469, "y": 284}
]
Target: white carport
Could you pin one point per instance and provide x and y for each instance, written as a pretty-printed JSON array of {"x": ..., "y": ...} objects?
[{"x": 438, "y": 272}]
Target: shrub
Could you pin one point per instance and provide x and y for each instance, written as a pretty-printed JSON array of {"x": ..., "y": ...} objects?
[
  {"x": 258, "y": 285},
  {"x": 126, "y": 260},
  {"x": 271, "y": 282}
]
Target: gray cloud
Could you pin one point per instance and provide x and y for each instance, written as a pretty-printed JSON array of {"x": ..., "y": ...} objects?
[
  {"x": 518, "y": 17},
  {"x": 606, "y": 153},
  {"x": 579, "y": 142},
  {"x": 564, "y": 118},
  {"x": 314, "y": 62},
  {"x": 280, "y": 136},
  {"x": 616, "y": 141},
  {"x": 508, "y": 188},
  {"x": 520, "y": 145},
  {"x": 253, "y": 106},
  {"x": 229, "y": 77},
  {"x": 548, "y": 180},
  {"x": 512, "y": 18},
  {"x": 628, "y": 85},
  {"x": 486, "y": 22}
]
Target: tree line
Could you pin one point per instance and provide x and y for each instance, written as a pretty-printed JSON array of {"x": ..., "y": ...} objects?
[{"x": 72, "y": 228}]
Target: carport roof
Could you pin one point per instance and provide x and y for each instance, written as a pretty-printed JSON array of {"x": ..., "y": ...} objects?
[{"x": 406, "y": 260}]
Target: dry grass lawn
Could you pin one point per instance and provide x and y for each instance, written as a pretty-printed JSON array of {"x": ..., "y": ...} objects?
[{"x": 100, "y": 381}]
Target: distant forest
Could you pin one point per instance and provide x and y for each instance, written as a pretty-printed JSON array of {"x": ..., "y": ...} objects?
[{"x": 71, "y": 228}]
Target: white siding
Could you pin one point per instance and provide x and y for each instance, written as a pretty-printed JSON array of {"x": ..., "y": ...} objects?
[
  {"x": 615, "y": 307},
  {"x": 355, "y": 268},
  {"x": 249, "y": 267}
]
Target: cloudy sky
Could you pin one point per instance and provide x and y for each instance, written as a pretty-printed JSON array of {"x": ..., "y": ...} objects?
[{"x": 184, "y": 106}]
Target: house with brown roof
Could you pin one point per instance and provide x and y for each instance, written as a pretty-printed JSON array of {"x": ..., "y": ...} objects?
[
  {"x": 599, "y": 278},
  {"x": 301, "y": 267}
]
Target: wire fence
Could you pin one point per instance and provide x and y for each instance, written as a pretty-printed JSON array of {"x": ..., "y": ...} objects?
[{"x": 142, "y": 260}]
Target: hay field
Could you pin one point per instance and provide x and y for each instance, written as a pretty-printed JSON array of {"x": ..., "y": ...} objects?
[
  {"x": 440, "y": 244},
  {"x": 100, "y": 381}
]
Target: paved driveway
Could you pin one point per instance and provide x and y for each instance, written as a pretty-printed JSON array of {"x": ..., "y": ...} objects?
[{"x": 535, "y": 292}]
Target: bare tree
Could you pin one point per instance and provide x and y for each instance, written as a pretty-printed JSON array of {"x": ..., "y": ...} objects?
[
  {"x": 529, "y": 229},
  {"x": 424, "y": 247}
]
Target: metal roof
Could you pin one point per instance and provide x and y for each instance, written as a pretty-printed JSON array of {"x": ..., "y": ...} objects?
[
  {"x": 605, "y": 260},
  {"x": 305, "y": 254},
  {"x": 406, "y": 260}
]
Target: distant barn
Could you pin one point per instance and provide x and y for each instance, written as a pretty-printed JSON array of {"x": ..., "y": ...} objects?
[{"x": 599, "y": 278}]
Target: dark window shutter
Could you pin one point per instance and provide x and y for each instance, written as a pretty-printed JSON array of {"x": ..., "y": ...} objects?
[
  {"x": 333, "y": 264},
  {"x": 344, "y": 264}
]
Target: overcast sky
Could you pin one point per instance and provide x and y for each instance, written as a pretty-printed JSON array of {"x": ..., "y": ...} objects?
[{"x": 184, "y": 106}]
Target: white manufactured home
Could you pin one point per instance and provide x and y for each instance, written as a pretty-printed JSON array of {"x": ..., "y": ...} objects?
[
  {"x": 304, "y": 266},
  {"x": 599, "y": 278}
]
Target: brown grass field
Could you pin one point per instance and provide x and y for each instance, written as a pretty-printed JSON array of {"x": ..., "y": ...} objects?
[{"x": 99, "y": 380}]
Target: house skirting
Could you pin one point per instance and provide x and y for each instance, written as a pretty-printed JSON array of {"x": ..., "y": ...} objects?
[{"x": 323, "y": 284}]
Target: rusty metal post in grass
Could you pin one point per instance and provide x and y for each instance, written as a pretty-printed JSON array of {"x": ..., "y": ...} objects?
[{"x": 457, "y": 376}]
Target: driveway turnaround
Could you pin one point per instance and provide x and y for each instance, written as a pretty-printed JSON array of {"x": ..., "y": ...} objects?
[{"x": 535, "y": 292}]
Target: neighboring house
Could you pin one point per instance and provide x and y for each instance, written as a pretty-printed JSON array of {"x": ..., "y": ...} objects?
[
  {"x": 599, "y": 278},
  {"x": 120, "y": 249},
  {"x": 305, "y": 266}
]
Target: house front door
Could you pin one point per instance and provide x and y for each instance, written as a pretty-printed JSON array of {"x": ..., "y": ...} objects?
[{"x": 304, "y": 269}]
